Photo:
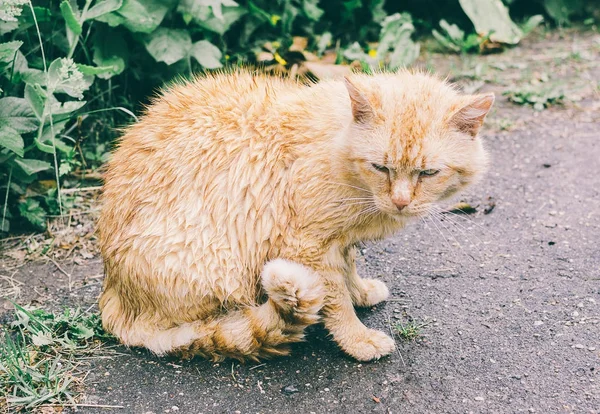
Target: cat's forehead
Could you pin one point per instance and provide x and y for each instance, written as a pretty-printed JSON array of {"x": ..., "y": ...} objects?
[{"x": 411, "y": 126}]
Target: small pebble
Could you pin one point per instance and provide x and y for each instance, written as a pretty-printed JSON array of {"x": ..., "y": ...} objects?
[
  {"x": 538, "y": 323},
  {"x": 174, "y": 408},
  {"x": 478, "y": 398},
  {"x": 290, "y": 389},
  {"x": 579, "y": 346}
]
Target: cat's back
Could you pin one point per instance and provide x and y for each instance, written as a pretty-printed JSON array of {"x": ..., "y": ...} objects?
[
  {"x": 202, "y": 123},
  {"x": 218, "y": 108},
  {"x": 197, "y": 149}
]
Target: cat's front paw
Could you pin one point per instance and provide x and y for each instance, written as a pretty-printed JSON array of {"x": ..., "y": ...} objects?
[
  {"x": 369, "y": 345},
  {"x": 374, "y": 292}
]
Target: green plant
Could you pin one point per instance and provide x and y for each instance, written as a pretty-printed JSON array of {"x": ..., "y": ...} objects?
[
  {"x": 454, "y": 39},
  {"x": 540, "y": 97},
  {"x": 411, "y": 330},
  {"x": 39, "y": 356}
]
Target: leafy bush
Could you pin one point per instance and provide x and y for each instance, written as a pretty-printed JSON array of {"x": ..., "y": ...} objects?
[{"x": 72, "y": 71}]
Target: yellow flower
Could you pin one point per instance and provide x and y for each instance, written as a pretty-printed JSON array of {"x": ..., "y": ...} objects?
[
  {"x": 279, "y": 59},
  {"x": 274, "y": 19}
]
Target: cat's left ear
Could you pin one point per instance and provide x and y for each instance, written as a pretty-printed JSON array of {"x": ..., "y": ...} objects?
[
  {"x": 361, "y": 108},
  {"x": 469, "y": 118}
]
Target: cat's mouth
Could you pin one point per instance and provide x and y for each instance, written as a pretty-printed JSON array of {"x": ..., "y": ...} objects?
[{"x": 416, "y": 211}]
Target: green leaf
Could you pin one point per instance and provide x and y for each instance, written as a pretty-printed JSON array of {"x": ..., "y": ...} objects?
[
  {"x": 102, "y": 7},
  {"x": 452, "y": 30},
  {"x": 94, "y": 70},
  {"x": 30, "y": 209},
  {"x": 31, "y": 166},
  {"x": 110, "y": 51},
  {"x": 378, "y": 10},
  {"x": 80, "y": 331},
  {"x": 63, "y": 76},
  {"x": 259, "y": 13},
  {"x": 64, "y": 169},
  {"x": 532, "y": 23},
  {"x": 17, "y": 114},
  {"x": 42, "y": 15},
  {"x": 139, "y": 16},
  {"x": 205, "y": 17},
  {"x": 70, "y": 19},
  {"x": 36, "y": 97},
  {"x": 207, "y": 54},
  {"x": 312, "y": 10},
  {"x": 112, "y": 19},
  {"x": 40, "y": 338},
  {"x": 405, "y": 53},
  {"x": 445, "y": 42},
  {"x": 354, "y": 52},
  {"x": 396, "y": 32},
  {"x": 491, "y": 18},
  {"x": 562, "y": 10},
  {"x": 290, "y": 12},
  {"x": 61, "y": 108},
  {"x": 8, "y": 50},
  {"x": 169, "y": 45},
  {"x": 33, "y": 76},
  {"x": 7, "y": 27},
  {"x": 44, "y": 143},
  {"x": 9, "y": 138},
  {"x": 216, "y": 6},
  {"x": 324, "y": 42}
]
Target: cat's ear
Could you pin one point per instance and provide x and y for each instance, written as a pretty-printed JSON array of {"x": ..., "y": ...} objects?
[
  {"x": 361, "y": 108},
  {"x": 469, "y": 118}
]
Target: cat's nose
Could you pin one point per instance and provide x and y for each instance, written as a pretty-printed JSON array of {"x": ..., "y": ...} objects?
[{"x": 400, "y": 203}]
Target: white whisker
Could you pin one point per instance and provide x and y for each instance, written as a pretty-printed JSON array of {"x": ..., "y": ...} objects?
[
  {"x": 469, "y": 219},
  {"x": 351, "y": 186}
]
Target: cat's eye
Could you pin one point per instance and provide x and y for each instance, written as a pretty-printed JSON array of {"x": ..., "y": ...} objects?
[
  {"x": 381, "y": 168},
  {"x": 428, "y": 173}
]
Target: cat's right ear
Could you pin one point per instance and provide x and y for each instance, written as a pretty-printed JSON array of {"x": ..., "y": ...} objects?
[{"x": 361, "y": 108}]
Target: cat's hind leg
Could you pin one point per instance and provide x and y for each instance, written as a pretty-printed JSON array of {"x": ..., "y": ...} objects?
[{"x": 295, "y": 297}]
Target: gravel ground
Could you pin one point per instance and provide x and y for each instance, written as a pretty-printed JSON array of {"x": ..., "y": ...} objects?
[{"x": 508, "y": 301}]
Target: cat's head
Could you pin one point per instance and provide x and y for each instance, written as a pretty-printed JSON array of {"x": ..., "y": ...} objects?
[{"x": 413, "y": 140}]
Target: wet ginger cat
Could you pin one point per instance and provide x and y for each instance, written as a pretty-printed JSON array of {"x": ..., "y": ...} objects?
[{"x": 232, "y": 208}]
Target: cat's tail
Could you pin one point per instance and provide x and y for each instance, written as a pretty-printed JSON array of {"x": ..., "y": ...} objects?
[{"x": 295, "y": 297}]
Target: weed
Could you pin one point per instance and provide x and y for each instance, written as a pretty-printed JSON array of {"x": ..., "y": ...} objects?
[
  {"x": 537, "y": 96},
  {"x": 411, "y": 330},
  {"x": 40, "y": 356},
  {"x": 505, "y": 124},
  {"x": 454, "y": 39}
]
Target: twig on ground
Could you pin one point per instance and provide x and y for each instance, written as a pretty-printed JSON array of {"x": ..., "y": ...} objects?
[
  {"x": 61, "y": 269},
  {"x": 83, "y": 405},
  {"x": 393, "y": 335}
]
